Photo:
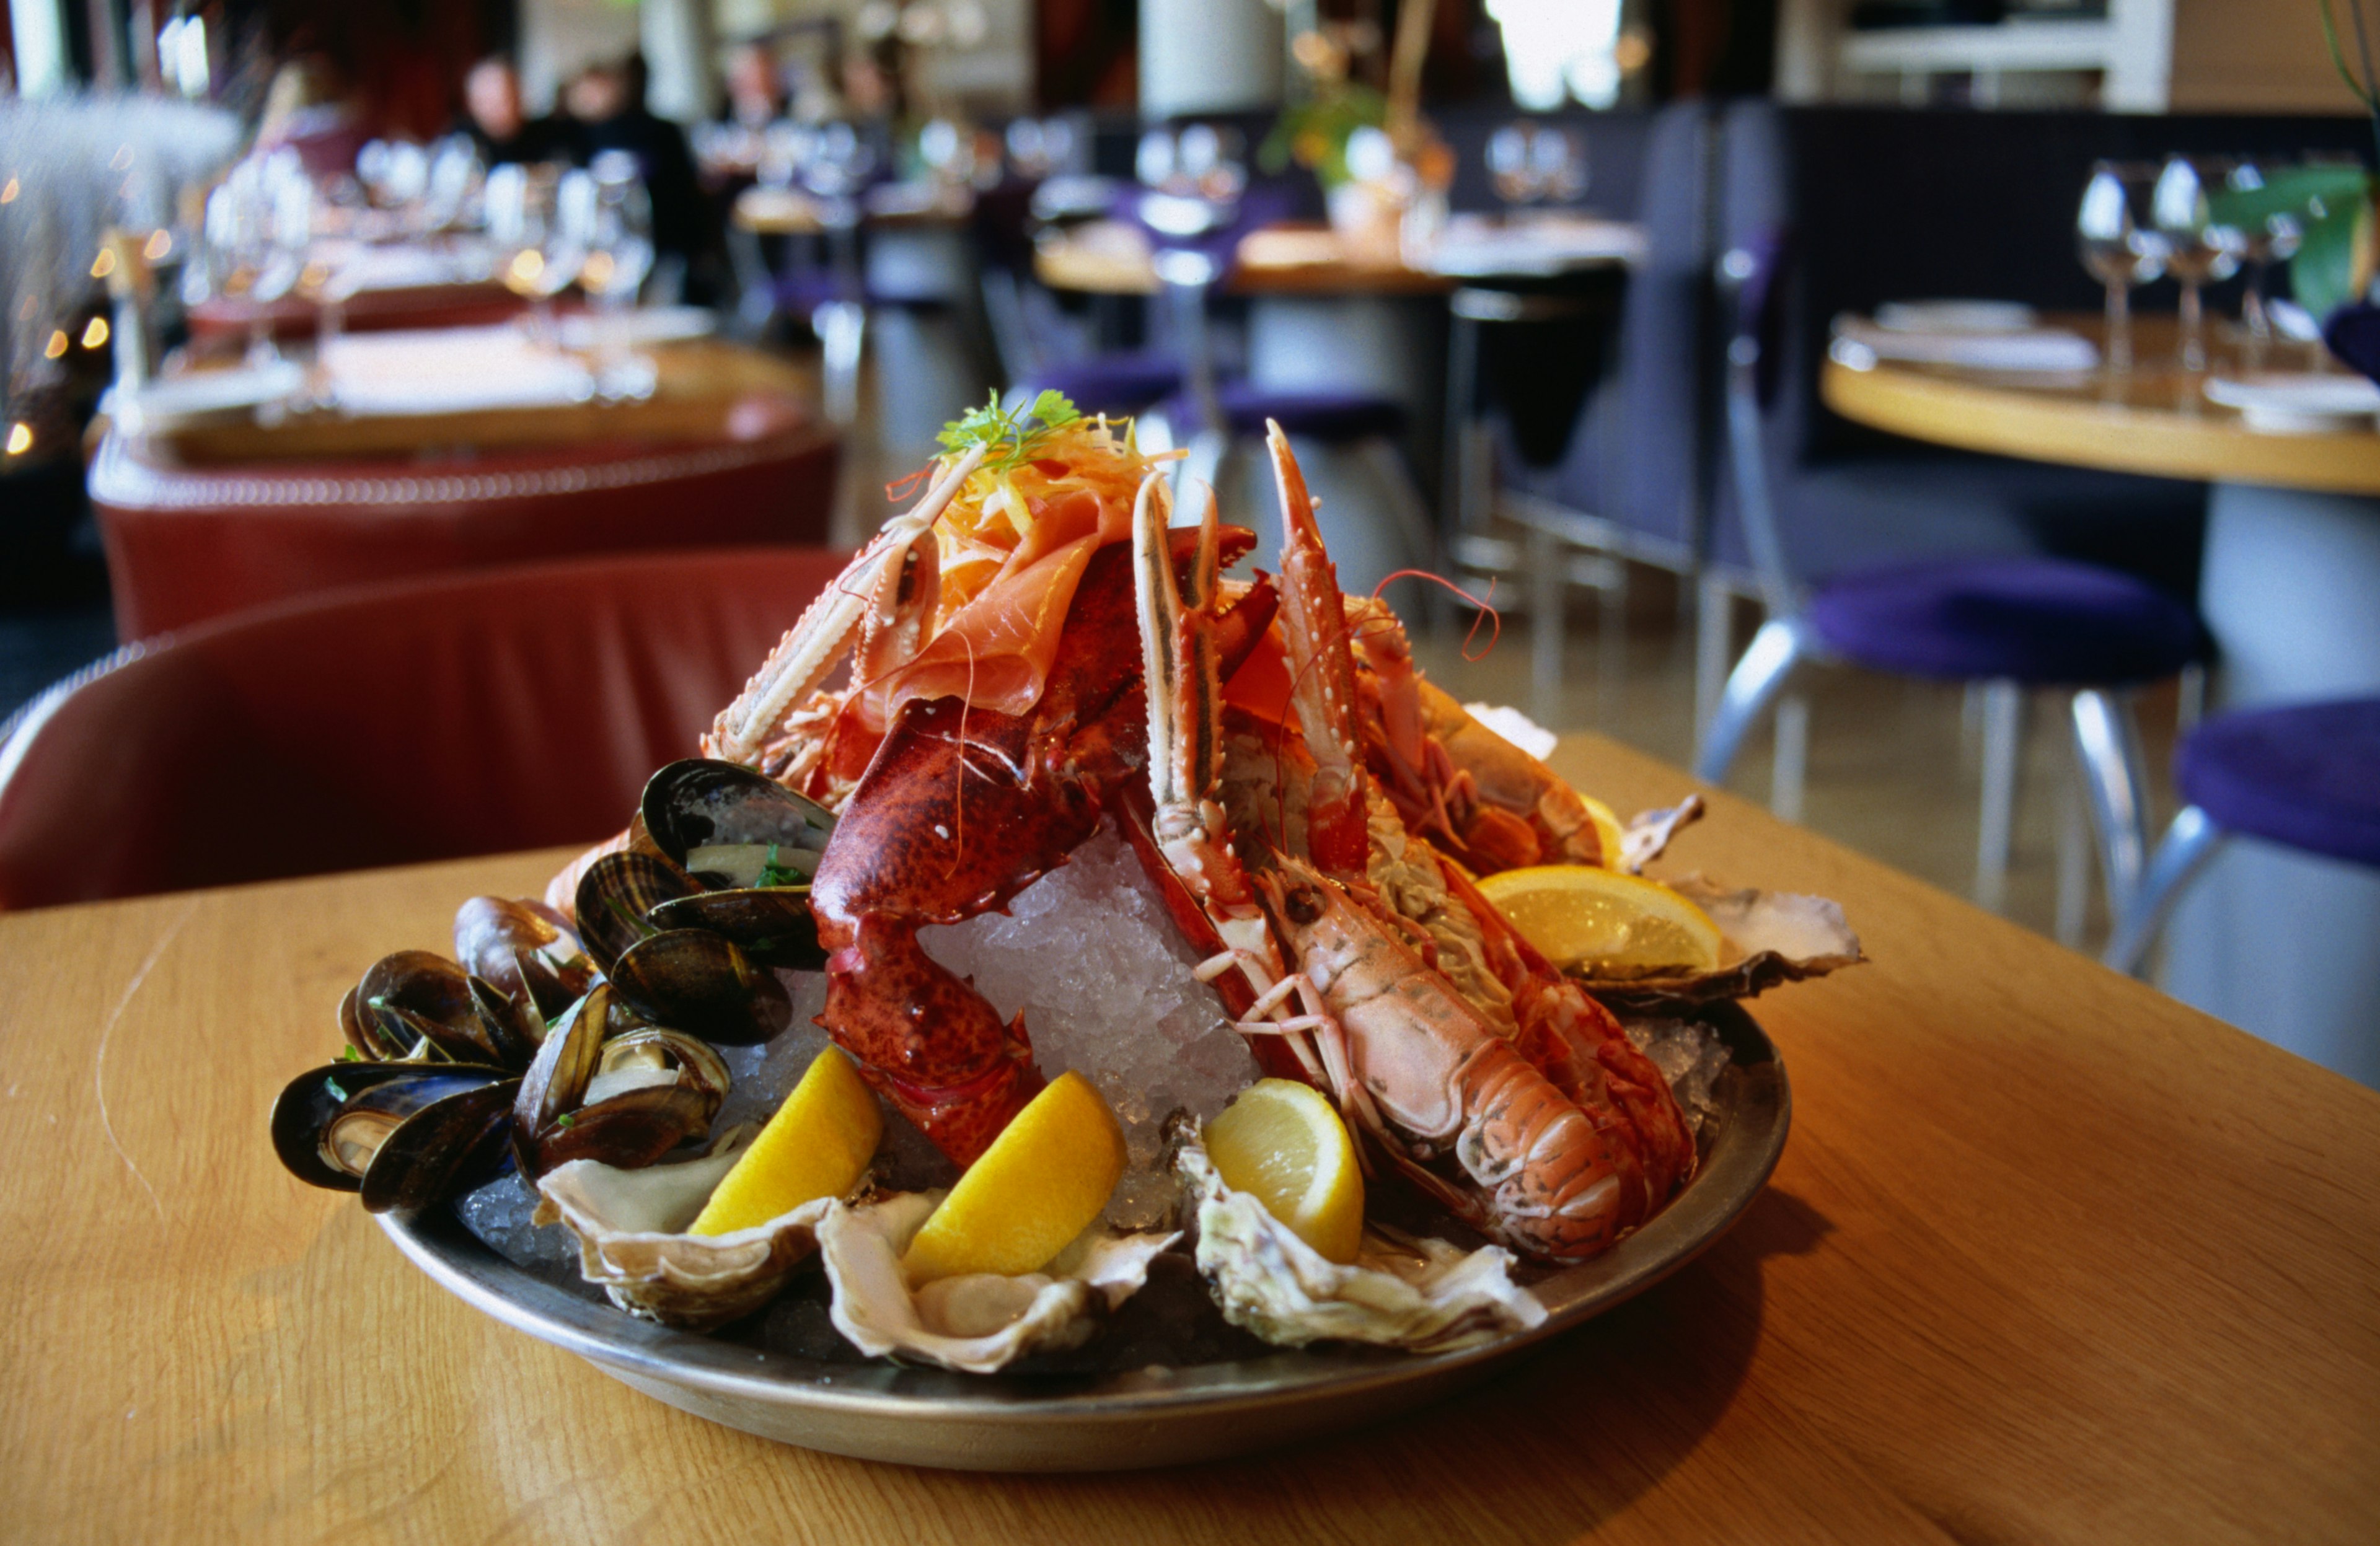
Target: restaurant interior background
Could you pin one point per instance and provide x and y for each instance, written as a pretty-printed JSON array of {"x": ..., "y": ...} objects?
[{"x": 1603, "y": 311}]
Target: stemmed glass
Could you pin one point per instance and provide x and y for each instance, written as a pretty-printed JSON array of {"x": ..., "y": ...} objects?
[
  {"x": 2199, "y": 250},
  {"x": 539, "y": 218},
  {"x": 1558, "y": 161},
  {"x": 619, "y": 255},
  {"x": 2119, "y": 244},
  {"x": 2275, "y": 240},
  {"x": 1512, "y": 164}
]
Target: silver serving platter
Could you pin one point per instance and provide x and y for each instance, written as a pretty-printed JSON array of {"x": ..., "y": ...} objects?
[{"x": 1148, "y": 1416}]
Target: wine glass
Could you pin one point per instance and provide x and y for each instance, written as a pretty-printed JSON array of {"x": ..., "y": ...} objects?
[
  {"x": 539, "y": 218},
  {"x": 2199, "y": 250},
  {"x": 1512, "y": 165},
  {"x": 619, "y": 255},
  {"x": 1558, "y": 163},
  {"x": 2274, "y": 239},
  {"x": 2120, "y": 247}
]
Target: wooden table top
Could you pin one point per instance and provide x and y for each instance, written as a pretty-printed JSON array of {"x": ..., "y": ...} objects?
[
  {"x": 1109, "y": 258},
  {"x": 2155, "y": 420},
  {"x": 2049, "y": 1257},
  {"x": 705, "y": 389}
]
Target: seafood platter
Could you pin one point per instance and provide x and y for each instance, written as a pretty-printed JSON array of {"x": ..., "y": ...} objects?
[{"x": 1074, "y": 1009}]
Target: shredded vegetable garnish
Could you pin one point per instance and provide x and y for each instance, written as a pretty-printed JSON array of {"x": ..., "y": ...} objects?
[{"x": 1012, "y": 437}]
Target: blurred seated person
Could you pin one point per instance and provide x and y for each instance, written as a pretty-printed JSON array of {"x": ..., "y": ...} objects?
[
  {"x": 494, "y": 118},
  {"x": 606, "y": 103},
  {"x": 756, "y": 96}
]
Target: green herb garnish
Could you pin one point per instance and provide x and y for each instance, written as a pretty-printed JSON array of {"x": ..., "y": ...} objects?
[
  {"x": 774, "y": 874},
  {"x": 565, "y": 1121},
  {"x": 1012, "y": 438}
]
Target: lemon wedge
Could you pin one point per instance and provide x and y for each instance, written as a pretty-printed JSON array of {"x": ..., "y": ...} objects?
[
  {"x": 816, "y": 1145},
  {"x": 1612, "y": 923},
  {"x": 1609, "y": 833},
  {"x": 1280, "y": 1141},
  {"x": 1040, "y": 1184}
]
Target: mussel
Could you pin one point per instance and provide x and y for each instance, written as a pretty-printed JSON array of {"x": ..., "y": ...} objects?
[
  {"x": 700, "y": 980},
  {"x": 416, "y": 1006},
  {"x": 524, "y": 950},
  {"x": 562, "y": 1113},
  {"x": 698, "y": 810},
  {"x": 402, "y": 1134},
  {"x": 614, "y": 896}
]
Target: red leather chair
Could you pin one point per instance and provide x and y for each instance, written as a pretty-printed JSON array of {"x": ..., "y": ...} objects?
[
  {"x": 412, "y": 720},
  {"x": 185, "y": 544}
]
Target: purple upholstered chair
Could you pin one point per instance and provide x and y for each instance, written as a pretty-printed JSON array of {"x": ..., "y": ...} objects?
[
  {"x": 2306, "y": 776},
  {"x": 2011, "y": 623}
]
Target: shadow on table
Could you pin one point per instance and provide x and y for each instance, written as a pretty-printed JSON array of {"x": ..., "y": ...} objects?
[{"x": 1543, "y": 1454}]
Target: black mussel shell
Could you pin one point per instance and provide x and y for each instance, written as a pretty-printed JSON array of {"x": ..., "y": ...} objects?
[
  {"x": 697, "y": 981},
  {"x": 632, "y": 1129},
  {"x": 694, "y": 1062},
  {"x": 556, "y": 1081},
  {"x": 414, "y": 995},
  {"x": 698, "y": 802},
  {"x": 773, "y": 925},
  {"x": 448, "y": 1145},
  {"x": 514, "y": 1027},
  {"x": 616, "y": 893},
  {"x": 309, "y": 1102},
  {"x": 525, "y": 949}
]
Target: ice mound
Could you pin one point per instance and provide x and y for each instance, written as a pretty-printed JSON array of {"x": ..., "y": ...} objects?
[
  {"x": 1690, "y": 1055},
  {"x": 1090, "y": 955}
]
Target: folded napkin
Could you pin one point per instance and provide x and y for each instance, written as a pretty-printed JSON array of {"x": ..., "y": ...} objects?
[
  {"x": 1476, "y": 246},
  {"x": 446, "y": 370},
  {"x": 2044, "y": 350}
]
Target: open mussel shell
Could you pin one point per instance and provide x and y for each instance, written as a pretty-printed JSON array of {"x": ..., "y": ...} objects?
[
  {"x": 556, "y": 1081},
  {"x": 415, "y": 996},
  {"x": 616, "y": 893},
  {"x": 526, "y": 949},
  {"x": 311, "y": 1101},
  {"x": 440, "y": 1149},
  {"x": 698, "y": 980},
  {"x": 661, "y": 1055},
  {"x": 631, "y": 1130},
  {"x": 772, "y": 926},
  {"x": 703, "y": 804}
]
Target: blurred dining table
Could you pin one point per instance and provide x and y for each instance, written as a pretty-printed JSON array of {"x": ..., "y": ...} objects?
[
  {"x": 2270, "y": 938},
  {"x": 2049, "y": 1257},
  {"x": 449, "y": 449}
]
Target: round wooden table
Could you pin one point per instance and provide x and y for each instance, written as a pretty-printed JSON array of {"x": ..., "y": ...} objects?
[{"x": 2272, "y": 940}]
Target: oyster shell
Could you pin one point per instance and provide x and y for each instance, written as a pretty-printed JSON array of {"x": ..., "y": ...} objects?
[
  {"x": 1767, "y": 937},
  {"x": 977, "y": 1323},
  {"x": 630, "y": 1226},
  {"x": 1401, "y": 1292}
]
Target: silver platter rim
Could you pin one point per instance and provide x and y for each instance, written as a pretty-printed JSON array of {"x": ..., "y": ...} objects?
[{"x": 1039, "y": 1422}]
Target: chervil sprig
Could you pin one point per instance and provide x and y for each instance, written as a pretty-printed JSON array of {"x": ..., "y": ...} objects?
[{"x": 1012, "y": 438}]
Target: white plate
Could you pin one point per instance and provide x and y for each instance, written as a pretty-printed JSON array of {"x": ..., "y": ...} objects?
[
  {"x": 212, "y": 392},
  {"x": 651, "y": 324},
  {"x": 2296, "y": 401},
  {"x": 1955, "y": 316}
]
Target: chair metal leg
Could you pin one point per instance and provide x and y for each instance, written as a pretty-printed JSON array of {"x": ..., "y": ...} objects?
[
  {"x": 1788, "y": 768},
  {"x": 2187, "y": 844},
  {"x": 1547, "y": 582},
  {"x": 1611, "y": 638},
  {"x": 2003, "y": 742},
  {"x": 2107, "y": 743},
  {"x": 1714, "y": 632},
  {"x": 1769, "y": 662},
  {"x": 2073, "y": 857}
]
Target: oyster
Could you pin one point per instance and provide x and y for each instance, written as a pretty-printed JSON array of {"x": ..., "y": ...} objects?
[
  {"x": 1767, "y": 937},
  {"x": 1401, "y": 1292},
  {"x": 980, "y": 1323},
  {"x": 631, "y": 1224}
]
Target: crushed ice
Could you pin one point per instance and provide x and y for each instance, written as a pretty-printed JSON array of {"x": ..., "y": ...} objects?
[
  {"x": 1690, "y": 1055},
  {"x": 1090, "y": 955}
]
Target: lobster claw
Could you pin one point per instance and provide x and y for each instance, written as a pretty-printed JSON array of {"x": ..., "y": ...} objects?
[{"x": 1322, "y": 666}]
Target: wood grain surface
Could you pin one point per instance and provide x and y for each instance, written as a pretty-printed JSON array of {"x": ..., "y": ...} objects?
[
  {"x": 2048, "y": 1258},
  {"x": 2155, "y": 420}
]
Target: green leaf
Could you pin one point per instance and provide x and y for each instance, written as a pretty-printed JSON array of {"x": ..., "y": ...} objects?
[
  {"x": 2307, "y": 192},
  {"x": 2330, "y": 267},
  {"x": 1010, "y": 439},
  {"x": 349, "y": 1055}
]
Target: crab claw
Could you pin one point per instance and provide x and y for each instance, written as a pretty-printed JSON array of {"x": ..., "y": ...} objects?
[
  {"x": 1322, "y": 674},
  {"x": 882, "y": 602}
]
